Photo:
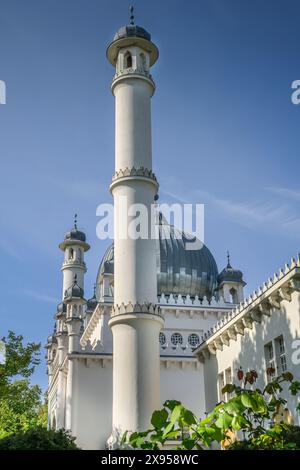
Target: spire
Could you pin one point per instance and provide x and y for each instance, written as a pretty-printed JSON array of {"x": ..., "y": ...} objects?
[
  {"x": 95, "y": 285},
  {"x": 228, "y": 260},
  {"x": 75, "y": 221},
  {"x": 131, "y": 19}
]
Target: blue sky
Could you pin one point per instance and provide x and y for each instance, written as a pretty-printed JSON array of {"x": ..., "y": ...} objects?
[{"x": 225, "y": 134}]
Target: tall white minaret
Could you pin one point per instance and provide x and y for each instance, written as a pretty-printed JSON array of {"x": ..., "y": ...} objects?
[
  {"x": 74, "y": 246},
  {"x": 135, "y": 320}
]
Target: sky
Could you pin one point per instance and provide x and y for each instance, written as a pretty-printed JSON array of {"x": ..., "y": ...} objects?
[{"x": 225, "y": 133}]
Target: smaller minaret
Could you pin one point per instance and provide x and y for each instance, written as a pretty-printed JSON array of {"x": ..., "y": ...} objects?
[
  {"x": 74, "y": 318},
  {"x": 74, "y": 246},
  {"x": 75, "y": 303},
  {"x": 90, "y": 306},
  {"x": 231, "y": 284},
  {"x": 62, "y": 349}
]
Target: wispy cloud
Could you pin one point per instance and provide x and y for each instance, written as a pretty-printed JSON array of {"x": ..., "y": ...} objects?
[
  {"x": 293, "y": 194},
  {"x": 260, "y": 214},
  {"x": 40, "y": 296}
]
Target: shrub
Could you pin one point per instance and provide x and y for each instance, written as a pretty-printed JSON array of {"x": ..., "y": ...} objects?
[{"x": 39, "y": 438}]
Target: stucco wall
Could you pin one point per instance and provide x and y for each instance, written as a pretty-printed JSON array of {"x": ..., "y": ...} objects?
[{"x": 249, "y": 353}]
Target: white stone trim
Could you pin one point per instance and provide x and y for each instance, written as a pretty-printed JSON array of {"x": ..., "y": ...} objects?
[{"x": 258, "y": 305}]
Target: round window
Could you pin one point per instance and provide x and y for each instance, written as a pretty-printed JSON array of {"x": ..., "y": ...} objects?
[
  {"x": 193, "y": 340},
  {"x": 176, "y": 338},
  {"x": 162, "y": 338}
]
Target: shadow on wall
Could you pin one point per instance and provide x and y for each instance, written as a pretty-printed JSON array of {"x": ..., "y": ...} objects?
[{"x": 253, "y": 354}]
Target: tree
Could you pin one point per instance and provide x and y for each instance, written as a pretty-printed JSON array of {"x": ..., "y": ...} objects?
[
  {"x": 39, "y": 438},
  {"x": 249, "y": 410},
  {"x": 20, "y": 402}
]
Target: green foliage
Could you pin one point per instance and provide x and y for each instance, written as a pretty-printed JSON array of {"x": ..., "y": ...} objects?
[
  {"x": 20, "y": 360},
  {"x": 20, "y": 402},
  {"x": 39, "y": 438},
  {"x": 252, "y": 411}
]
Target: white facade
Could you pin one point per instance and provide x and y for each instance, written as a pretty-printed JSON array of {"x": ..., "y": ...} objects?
[
  {"x": 261, "y": 332},
  {"x": 142, "y": 338}
]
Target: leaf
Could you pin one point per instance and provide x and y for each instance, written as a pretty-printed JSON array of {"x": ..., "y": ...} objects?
[
  {"x": 288, "y": 376},
  {"x": 234, "y": 407},
  {"x": 188, "y": 444},
  {"x": 168, "y": 429},
  {"x": 224, "y": 421},
  {"x": 294, "y": 388},
  {"x": 189, "y": 417},
  {"x": 159, "y": 418},
  {"x": 249, "y": 401},
  {"x": 229, "y": 388},
  {"x": 172, "y": 434},
  {"x": 240, "y": 422},
  {"x": 176, "y": 413},
  {"x": 170, "y": 404}
]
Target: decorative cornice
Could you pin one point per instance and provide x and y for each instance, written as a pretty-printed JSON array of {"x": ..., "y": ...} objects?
[
  {"x": 188, "y": 301},
  {"x": 133, "y": 73},
  {"x": 258, "y": 305},
  {"x": 135, "y": 173},
  {"x": 135, "y": 309},
  {"x": 73, "y": 262}
]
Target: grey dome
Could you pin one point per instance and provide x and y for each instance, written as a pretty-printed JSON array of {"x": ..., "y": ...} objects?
[
  {"x": 74, "y": 292},
  {"x": 230, "y": 274},
  {"x": 93, "y": 302},
  {"x": 132, "y": 30},
  {"x": 75, "y": 234},
  {"x": 180, "y": 271},
  {"x": 61, "y": 308}
]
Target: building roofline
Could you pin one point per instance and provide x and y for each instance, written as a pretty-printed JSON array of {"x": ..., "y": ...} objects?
[{"x": 260, "y": 303}]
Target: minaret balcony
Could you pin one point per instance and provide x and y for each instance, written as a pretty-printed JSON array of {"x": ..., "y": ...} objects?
[
  {"x": 133, "y": 73},
  {"x": 74, "y": 262}
]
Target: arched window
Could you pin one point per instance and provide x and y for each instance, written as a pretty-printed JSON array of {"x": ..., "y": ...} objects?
[
  {"x": 71, "y": 253},
  {"x": 128, "y": 60},
  {"x": 143, "y": 61},
  {"x": 234, "y": 296},
  {"x": 79, "y": 254}
]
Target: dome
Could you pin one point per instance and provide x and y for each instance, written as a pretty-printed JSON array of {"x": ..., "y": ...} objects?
[
  {"x": 230, "y": 274},
  {"x": 132, "y": 31},
  {"x": 61, "y": 308},
  {"x": 93, "y": 302},
  {"x": 131, "y": 35},
  {"x": 180, "y": 271},
  {"x": 75, "y": 234},
  {"x": 74, "y": 292}
]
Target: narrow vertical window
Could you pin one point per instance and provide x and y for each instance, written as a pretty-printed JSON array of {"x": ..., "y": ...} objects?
[
  {"x": 233, "y": 296},
  {"x": 281, "y": 355},
  {"x": 221, "y": 383},
  {"x": 143, "y": 61},
  {"x": 128, "y": 60},
  {"x": 270, "y": 361}
]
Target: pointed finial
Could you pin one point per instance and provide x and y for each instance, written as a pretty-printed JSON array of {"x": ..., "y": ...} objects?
[
  {"x": 228, "y": 259},
  {"x": 95, "y": 285},
  {"x": 131, "y": 19},
  {"x": 75, "y": 221}
]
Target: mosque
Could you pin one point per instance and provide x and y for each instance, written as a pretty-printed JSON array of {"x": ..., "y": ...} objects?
[{"x": 164, "y": 322}]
